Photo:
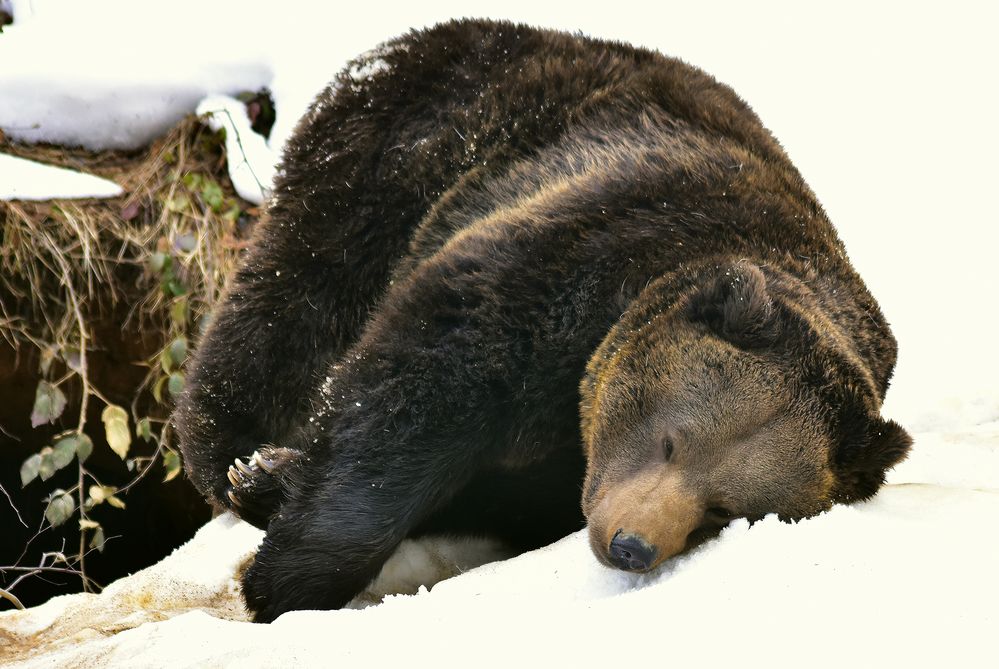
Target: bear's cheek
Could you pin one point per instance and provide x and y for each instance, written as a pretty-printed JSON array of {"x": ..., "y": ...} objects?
[{"x": 653, "y": 508}]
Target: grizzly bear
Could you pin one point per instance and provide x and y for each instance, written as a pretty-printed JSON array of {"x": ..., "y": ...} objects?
[{"x": 506, "y": 269}]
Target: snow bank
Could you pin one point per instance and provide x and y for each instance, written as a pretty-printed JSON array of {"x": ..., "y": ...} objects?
[
  {"x": 111, "y": 75},
  {"x": 22, "y": 179},
  {"x": 203, "y": 576},
  {"x": 906, "y": 579}
]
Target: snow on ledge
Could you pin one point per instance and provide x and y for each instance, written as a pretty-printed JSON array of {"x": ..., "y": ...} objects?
[
  {"x": 22, "y": 179},
  {"x": 119, "y": 75}
]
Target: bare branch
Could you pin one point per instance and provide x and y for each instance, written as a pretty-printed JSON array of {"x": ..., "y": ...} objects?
[
  {"x": 9, "y": 596},
  {"x": 11, "y": 502}
]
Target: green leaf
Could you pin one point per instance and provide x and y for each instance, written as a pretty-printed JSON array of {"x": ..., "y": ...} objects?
[
  {"x": 97, "y": 541},
  {"x": 232, "y": 213},
  {"x": 158, "y": 389},
  {"x": 98, "y": 494},
  {"x": 178, "y": 351},
  {"x": 166, "y": 361},
  {"x": 187, "y": 242},
  {"x": 47, "y": 356},
  {"x": 116, "y": 429},
  {"x": 173, "y": 287},
  {"x": 49, "y": 404},
  {"x": 176, "y": 384},
  {"x": 84, "y": 447},
  {"x": 160, "y": 262},
  {"x": 47, "y": 467},
  {"x": 63, "y": 451},
  {"x": 171, "y": 462},
  {"x": 144, "y": 429},
  {"x": 157, "y": 261},
  {"x": 180, "y": 202},
  {"x": 178, "y": 312},
  {"x": 192, "y": 180},
  {"x": 29, "y": 470},
  {"x": 71, "y": 355},
  {"x": 211, "y": 192},
  {"x": 60, "y": 508}
]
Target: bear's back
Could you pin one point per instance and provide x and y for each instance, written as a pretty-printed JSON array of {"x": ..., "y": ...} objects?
[
  {"x": 462, "y": 111},
  {"x": 494, "y": 148}
]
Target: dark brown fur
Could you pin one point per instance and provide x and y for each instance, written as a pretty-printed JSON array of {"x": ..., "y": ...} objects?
[{"x": 459, "y": 239}]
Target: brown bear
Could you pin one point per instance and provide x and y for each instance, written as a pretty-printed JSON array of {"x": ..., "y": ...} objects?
[{"x": 505, "y": 269}]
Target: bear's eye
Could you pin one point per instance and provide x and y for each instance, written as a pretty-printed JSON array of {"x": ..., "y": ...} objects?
[
  {"x": 720, "y": 512},
  {"x": 667, "y": 448}
]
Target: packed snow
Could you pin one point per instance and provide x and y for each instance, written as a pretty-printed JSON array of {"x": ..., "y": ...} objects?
[
  {"x": 906, "y": 579},
  {"x": 22, "y": 179},
  {"x": 887, "y": 112}
]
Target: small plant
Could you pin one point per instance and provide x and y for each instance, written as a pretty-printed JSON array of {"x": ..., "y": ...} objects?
[{"x": 163, "y": 251}]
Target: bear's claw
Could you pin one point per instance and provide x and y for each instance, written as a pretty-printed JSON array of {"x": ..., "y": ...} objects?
[
  {"x": 265, "y": 463},
  {"x": 239, "y": 473},
  {"x": 256, "y": 491},
  {"x": 271, "y": 458},
  {"x": 253, "y": 494},
  {"x": 246, "y": 469}
]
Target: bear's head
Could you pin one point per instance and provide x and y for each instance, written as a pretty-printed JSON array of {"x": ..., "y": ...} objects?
[{"x": 723, "y": 392}]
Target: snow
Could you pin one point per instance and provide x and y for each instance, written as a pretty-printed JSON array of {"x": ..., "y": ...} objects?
[
  {"x": 890, "y": 122},
  {"x": 906, "y": 579},
  {"x": 251, "y": 161},
  {"x": 81, "y": 79},
  {"x": 22, "y": 179}
]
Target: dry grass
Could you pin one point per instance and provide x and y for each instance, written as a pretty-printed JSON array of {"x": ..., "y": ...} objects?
[{"x": 163, "y": 249}]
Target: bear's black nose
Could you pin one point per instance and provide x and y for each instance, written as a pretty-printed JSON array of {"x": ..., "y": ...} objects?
[{"x": 630, "y": 552}]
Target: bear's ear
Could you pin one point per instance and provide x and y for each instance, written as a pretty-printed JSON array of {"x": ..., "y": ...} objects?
[
  {"x": 861, "y": 465},
  {"x": 737, "y": 306}
]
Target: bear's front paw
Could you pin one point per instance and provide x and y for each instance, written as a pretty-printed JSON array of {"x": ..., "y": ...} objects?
[
  {"x": 287, "y": 576},
  {"x": 257, "y": 489},
  {"x": 257, "y": 589}
]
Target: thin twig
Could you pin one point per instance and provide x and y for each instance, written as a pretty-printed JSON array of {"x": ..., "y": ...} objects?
[
  {"x": 85, "y": 392},
  {"x": 31, "y": 571},
  {"x": 11, "y": 502},
  {"x": 152, "y": 459}
]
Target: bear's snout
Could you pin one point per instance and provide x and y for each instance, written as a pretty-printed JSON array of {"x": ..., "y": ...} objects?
[
  {"x": 643, "y": 520},
  {"x": 631, "y": 552}
]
